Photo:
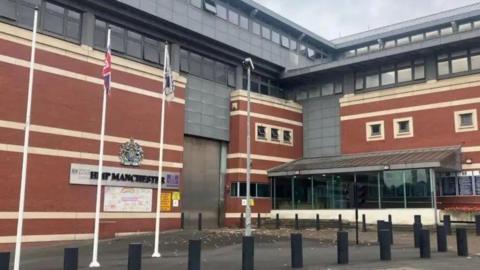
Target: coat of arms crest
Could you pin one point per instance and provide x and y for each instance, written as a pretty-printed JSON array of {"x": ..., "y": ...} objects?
[{"x": 131, "y": 153}]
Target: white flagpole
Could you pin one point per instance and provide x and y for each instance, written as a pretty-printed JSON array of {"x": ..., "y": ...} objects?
[
  {"x": 95, "y": 262},
  {"x": 21, "y": 204},
  {"x": 156, "y": 253}
]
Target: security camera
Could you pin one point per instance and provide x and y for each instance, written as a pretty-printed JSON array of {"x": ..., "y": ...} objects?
[{"x": 248, "y": 63}]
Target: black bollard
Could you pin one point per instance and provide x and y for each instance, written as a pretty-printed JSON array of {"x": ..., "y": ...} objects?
[
  {"x": 297, "y": 250},
  {"x": 194, "y": 254},
  {"x": 317, "y": 222},
  {"x": 199, "y": 221},
  {"x": 259, "y": 221},
  {"x": 389, "y": 226},
  {"x": 296, "y": 221},
  {"x": 70, "y": 259},
  {"x": 342, "y": 247},
  {"x": 182, "y": 221},
  {"x": 277, "y": 221},
  {"x": 447, "y": 222},
  {"x": 462, "y": 242},
  {"x": 417, "y": 219},
  {"x": 477, "y": 224},
  {"x": 340, "y": 223},
  {"x": 4, "y": 260},
  {"x": 135, "y": 256},
  {"x": 441, "y": 239},
  {"x": 424, "y": 244},
  {"x": 364, "y": 223},
  {"x": 247, "y": 252},
  {"x": 242, "y": 222},
  {"x": 385, "y": 248},
  {"x": 417, "y": 227}
]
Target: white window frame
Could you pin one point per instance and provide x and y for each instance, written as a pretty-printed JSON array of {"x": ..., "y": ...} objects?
[
  {"x": 396, "y": 128},
  {"x": 368, "y": 129},
  {"x": 457, "y": 120}
]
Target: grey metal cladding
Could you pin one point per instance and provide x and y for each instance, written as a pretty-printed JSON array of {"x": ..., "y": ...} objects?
[
  {"x": 207, "y": 110},
  {"x": 321, "y": 127}
]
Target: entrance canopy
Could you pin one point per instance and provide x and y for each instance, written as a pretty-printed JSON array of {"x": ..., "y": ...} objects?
[{"x": 439, "y": 158}]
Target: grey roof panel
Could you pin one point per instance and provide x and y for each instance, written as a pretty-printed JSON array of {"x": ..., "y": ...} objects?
[{"x": 446, "y": 158}]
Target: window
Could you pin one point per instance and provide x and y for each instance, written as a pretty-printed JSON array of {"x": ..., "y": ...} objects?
[
  {"x": 375, "y": 131},
  {"x": 244, "y": 22},
  {"x": 233, "y": 17},
  {"x": 261, "y": 132},
  {"x": 117, "y": 38},
  {"x": 287, "y": 136},
  {"x": 256, "y": 28},
  {"x": 403, "y": 41},
  {"x": 61, "y": 21},
  {"x": 221, "y": 12},
  {"x": 285, "y": 42},
  {"x": 416, "y": 38},
  {"x": 372, "y": 81},
  {"x": 403, "y": 127},
  {"x": 134, "y": 44},
  {"x": 465, "y": 27},
  {"x": 276, "y": 37},
  {"x": 265, "y": 32},
  {"x": 466, "y": 120},
  {"x": 197, "y": 3},
  {"x": 210, "y": 6},
  {"x": 274, "y": 134},
  {"x": 432, "y": 34}
]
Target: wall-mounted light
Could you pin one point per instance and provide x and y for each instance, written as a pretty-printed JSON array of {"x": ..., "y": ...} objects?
[{"x": 469, "y": 161}]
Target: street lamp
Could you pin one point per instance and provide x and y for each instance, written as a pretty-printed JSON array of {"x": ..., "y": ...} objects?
[{"x": 248, "y": 64}]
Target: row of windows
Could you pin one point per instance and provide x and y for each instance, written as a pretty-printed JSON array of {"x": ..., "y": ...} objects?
[
  {"x": 389, "y": 75},
  {"x": 458, "y": 62},
  {"x": 324, "y": 89},
  {"x": 62, "y": 22},
  {"x": 207, "y": 68},
  {"x": 129, "y": 42},
  {"x": 380, "y": 45},
  {"x": 464, "y": 121},
  {"x": 262, "y": 30},
  {"x": 239, "y": 189},
  {"x": 462, "y": 184},
  {"x": 263, "y": 85},
  {"x": 274, "y": 134}
]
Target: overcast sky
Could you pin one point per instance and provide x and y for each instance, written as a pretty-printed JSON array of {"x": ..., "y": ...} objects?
[{"x": 334, "y": 18}]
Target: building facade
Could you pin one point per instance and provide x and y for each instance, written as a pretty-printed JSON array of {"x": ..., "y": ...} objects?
[{"x": 389, "y": 114}]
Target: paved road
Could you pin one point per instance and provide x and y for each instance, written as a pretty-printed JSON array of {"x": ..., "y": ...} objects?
[{"x": 221, "y": 249}]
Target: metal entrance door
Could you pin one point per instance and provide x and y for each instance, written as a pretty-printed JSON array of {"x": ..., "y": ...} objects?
[{"x": 201, "y": 186}]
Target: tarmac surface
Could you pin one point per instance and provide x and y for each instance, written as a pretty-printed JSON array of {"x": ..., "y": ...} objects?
[{"x": 221, "y": 249}]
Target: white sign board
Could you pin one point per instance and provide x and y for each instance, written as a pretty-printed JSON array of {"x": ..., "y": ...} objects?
[
  {"x": 122, "y": 199},
  {"x": 85, "y": 174}
]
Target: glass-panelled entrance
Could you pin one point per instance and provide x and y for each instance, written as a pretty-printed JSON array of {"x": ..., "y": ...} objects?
[{"x": 375, "y": 190}]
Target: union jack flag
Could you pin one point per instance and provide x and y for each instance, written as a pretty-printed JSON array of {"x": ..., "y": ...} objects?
[{"x": 107, "y": 68}]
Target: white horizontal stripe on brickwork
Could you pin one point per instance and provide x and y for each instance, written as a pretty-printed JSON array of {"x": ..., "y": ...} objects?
[
  {"x": 260, "y": 157},
  {"x": 47, "y": 238},
  {"x": 83, "y": 53},
  {"x": 86, "y": 215},
  {"x": 429, "y": 87},
  {"x": 84, "y": 135},
  {"x": 244, "y": 171},
  {"x": 446, "y": 104},
  {"x": 268, "y": 117},
  {"x": 85, "y": 78},
  {"x": 254, "y": 215},
  {"x": 80, "y": 155}
]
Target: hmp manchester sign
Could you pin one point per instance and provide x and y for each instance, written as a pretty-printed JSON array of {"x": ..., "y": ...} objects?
[{"x": 84, "y": 174}]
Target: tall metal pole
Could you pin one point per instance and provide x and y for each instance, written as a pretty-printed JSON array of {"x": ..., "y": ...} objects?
[
  {"x": 248, "y": 211},
  {"x": 21, "y": 204},
  {"x": 96, "y": 232}
]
